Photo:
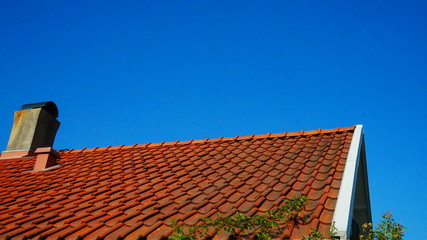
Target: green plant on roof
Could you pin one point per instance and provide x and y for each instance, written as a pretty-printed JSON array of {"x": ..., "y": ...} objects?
[
  {"x": 266, "y": 226},
  {"x": 316, "y": 235},
  {"x": 263, "y": 226}
]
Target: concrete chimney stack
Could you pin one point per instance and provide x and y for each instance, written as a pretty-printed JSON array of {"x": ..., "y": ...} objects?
[{"x": 34, "y": 126}]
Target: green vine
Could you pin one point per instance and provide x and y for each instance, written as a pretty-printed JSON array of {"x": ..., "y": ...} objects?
[
  {"x": 266, "y": 226},
  {"x": 316, "y": 235},
  {"x": 263, "y": 226}
]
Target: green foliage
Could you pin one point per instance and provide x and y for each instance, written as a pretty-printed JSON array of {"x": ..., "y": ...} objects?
[
  {"x": 386, "y": 229},
  {"x": 263, "y": 226},
  {"x": 316, "y": 235}
]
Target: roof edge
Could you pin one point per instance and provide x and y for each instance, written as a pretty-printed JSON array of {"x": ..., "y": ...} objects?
[
  {"x": 343, "y": 209},
  {"x": 221, "y": 139}
]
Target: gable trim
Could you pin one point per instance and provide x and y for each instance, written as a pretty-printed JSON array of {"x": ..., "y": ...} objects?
[{"x": 344, "y": 209}]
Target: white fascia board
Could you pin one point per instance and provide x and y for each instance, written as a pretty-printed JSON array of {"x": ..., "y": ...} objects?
[{"x": 344, "y": 209}]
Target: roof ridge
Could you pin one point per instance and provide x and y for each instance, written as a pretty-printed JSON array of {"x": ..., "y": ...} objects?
[{"x": 221, "y": 139}]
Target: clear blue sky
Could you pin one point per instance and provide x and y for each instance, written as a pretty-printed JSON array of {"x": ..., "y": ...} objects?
[{"x": 126, "y": 72}]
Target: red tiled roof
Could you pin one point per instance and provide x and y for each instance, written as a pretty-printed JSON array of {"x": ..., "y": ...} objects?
[{"x": 132, "y": 191}]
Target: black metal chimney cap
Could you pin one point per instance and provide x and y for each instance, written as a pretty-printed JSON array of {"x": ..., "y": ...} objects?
[{"x": 49, "y": 106}]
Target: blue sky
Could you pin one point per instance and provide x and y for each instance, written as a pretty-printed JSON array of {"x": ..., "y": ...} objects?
[{"x": 126, "y": 72}]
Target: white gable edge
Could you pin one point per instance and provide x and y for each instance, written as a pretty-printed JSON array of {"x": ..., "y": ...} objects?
[{"x": 344, "y": 208}]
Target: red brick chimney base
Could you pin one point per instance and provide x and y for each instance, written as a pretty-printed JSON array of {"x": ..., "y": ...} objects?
[{"x": 46, "y": 157}]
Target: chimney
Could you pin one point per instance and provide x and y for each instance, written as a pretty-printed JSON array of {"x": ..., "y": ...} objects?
[{"x": 34, "y": 126}]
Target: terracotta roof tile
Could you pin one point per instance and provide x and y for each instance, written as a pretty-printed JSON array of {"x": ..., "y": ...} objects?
[{"x": 132, "y": 191}]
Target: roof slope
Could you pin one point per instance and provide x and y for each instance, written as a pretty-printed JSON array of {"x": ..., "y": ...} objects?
[{"x": 131, "y": 191}]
